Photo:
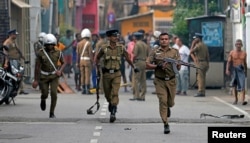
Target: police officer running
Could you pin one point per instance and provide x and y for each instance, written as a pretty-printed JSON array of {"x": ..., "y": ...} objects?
[
  {"x": 46, "y": 65},
  {"x": 200, "y": 56},
  {"x": 165, "y": 80},
  {"x": 112, "y": 52},
  {"x": 85, "y": 59}
]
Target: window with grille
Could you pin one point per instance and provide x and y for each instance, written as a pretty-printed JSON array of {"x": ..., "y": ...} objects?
[{"x": 163, "y": 25}]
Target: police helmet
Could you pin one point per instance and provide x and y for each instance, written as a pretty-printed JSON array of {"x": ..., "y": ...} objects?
[
  {"x": 85, "y": 33},
  {"x": 157, "y": 34},
  {"x": 41, "y": 36},
  {"x": 50, "y": 39}
]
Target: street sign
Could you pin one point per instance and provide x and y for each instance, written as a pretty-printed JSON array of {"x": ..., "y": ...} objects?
[{"x": 111, "y": 17}]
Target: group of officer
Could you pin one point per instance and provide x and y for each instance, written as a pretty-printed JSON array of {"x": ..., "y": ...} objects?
[{"x": 107, "y": 60}]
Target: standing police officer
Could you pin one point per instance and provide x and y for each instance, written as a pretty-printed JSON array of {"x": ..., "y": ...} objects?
[
  {"x": 112, "y": 53},
  {"x": 47, "y": 67},
  {"x": 85, "y": 59},
  {"x": 200, "y": 56},
  {"x": 140, "y": 52},
  {"x": 14, "y": 53},
  {"x": 165, "y": 80}
]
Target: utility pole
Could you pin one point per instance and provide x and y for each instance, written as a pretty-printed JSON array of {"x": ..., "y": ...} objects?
[{"x": 206, "y": 9}]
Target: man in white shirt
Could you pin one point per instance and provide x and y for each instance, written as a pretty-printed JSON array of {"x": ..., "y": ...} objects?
[{"x": 183, "y": 77}]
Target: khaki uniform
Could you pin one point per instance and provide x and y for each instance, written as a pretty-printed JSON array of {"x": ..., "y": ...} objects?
[
  {"x": 48, "y": 77},
  {"x": 111, "y": 70},
  {"x": 99, "y": 44},
  {"x": 14, "y": 54},
  {"x": 202, "y": 55},
  {"x": 165, "y": 81},
  {"x": 85, "y": 63},
  {"x": 140, "y": 51}
]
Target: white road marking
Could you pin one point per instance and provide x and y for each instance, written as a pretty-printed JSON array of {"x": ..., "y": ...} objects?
[
  {"x": 94, "y": 141},
  {"x": 234, "y": 107},
  {"x": 98, "y": 128},
  {"x": 104, "y": 110},
  {"x": 96, "y": 134},
  {"x": 103, "y": 113},
  {"x": 105, "y": 106}
]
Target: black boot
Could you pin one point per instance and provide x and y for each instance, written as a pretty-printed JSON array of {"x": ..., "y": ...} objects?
[
  {"x": 112, "y": 114},
  {"x": 166, "y": 129},
  {"x": 83, "y": 89}
]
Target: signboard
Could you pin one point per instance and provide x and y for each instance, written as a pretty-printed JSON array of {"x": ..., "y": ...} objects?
[
  {"x": 212, "y": 34},
  {"x": 111, "y": 17},
  {"x": 155, "y": 2}
]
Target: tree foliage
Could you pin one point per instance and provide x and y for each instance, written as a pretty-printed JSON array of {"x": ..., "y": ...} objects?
[{"x": 185, "y": 9}]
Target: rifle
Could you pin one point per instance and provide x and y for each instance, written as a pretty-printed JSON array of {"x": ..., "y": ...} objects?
[
  {"x": 89, "y": 111},
  {"x": 177, "y": 62}
]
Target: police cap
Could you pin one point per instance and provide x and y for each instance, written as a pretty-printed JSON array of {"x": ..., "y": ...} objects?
[
  {"x": 13, "y": 31},
  {"x": 112, "y": 32},
  {"x": 198, "y": 35}
]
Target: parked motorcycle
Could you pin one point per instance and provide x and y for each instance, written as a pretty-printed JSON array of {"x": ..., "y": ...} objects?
[
  {"x": 6, "y": 86},
  {"x": 10, "y": 80}
]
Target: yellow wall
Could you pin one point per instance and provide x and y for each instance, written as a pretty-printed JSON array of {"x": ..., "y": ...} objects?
[
  {"x": 163, "y": 14},
  {"x": 134, "y": 24}
]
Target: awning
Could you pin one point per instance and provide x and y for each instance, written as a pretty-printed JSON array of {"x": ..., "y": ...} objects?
[{"x": 20, "y": 3}]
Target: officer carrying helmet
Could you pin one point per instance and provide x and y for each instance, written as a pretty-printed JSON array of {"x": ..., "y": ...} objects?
[{"x": 47, "y": 72}]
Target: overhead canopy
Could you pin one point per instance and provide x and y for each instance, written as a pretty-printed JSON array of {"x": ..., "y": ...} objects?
[{"x": 20, "y": 3}]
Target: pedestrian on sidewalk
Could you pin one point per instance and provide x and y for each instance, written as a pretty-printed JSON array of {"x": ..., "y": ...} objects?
[
  {"x": 49, "y": 70},
  {"x": 112, "y": 53},
  {"x": 238, "y": 60},
  {"x": 200, "y": 56},
  {"x": 165, "y": 80},
  {"x": 183, "y": 76}
]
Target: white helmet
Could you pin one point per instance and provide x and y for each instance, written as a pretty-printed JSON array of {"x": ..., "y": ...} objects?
[
  {"x": 157, "y": 34},
  {"x": 86, "y": 33},
  {"x": 50, "y": 39},
  {"x": 41, "y": 36}
]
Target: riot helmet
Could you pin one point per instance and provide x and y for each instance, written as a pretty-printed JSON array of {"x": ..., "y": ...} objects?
[
  {"x": 50, "y": 39},
  {"x": 86, "y": 33}
]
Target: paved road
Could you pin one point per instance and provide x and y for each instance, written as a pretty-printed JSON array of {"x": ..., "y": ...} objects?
[{"x": 137, "y": 121}]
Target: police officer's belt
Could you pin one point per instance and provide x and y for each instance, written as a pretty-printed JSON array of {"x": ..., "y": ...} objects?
[
  {"x": 85, "y": 58},
  {"x": 47, "y": 73},
  {"x": 104, "y": 70},
  {"x": 165, "y": 78}
]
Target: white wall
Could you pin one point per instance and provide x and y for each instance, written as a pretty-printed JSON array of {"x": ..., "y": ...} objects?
[
  {"x": 248, "y": 39},
  {"x": 35, "y": 28}
]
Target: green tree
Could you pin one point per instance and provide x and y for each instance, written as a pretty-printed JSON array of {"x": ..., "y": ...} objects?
[{"x": 185, "y": 9}]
